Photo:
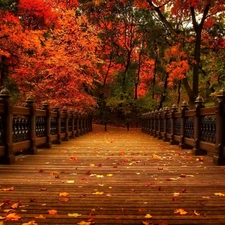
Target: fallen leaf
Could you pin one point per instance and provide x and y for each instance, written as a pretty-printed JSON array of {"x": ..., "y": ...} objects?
[
  {"x": 195, "y": 213},
  {"x": 15, "y": 205},
  {"x": 63, "y": 194},
  {"x": 206, "y": 197},
  {"x": 148, "y": 216},
  {"x": 219, "y": 194},
  {"x": 145, "y": 223},
  {"x": 84, "y": 223},
  {"x": 98, "y": 193},
  {"x": 73, "y": 214},
  {"x": 2, "y": 217},
  {"x": 154, "y": 156},
  {"x": 70, "y": 181},
  {"x": 110, "y": 175},
  {"x": 175, "y": 194},
  {"x": 30, "y": 223},
  {"x": 12, "y": 216},
  {"x": 63, "y": 199},
  {"x": 8, "y": 189},
  {"x": 40, "y": 217},
  {"x": 180, "y": 211},
  {"x": 43, "y": 189},
  {"x": 52, "y": 212}
]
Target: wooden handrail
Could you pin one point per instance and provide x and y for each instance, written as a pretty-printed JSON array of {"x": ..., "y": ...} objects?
[
  {"x": 24, "y": 129},
  {"x": 202, "y": 129}
]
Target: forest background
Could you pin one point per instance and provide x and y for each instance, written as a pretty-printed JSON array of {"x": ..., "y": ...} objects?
[{"x": 117, "y": 58}]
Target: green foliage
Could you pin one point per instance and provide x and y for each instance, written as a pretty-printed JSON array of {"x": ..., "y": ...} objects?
[{"x": 10, "y": 5}]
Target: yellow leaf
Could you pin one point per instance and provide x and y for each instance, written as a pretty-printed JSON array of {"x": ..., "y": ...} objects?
[
  {"x": 98, "y": 193},
  {"x": 74, "y": 214},
  {"x": 148, "y": 216},
  {"x": 84, "y": 223},
  {"x": 110, "y": 175},
  {"x": 1, "y": 223},
  {"x": 180, "y": 211},
  {"x": 197, "y": 214},
  {"x": 2, "y": 217},
  {"x": 99, "y": 176},
  {"x": 70, "y": 181},
  {"x": 219, "y": 194}
]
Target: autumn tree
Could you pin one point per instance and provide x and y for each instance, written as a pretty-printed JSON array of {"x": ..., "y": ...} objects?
[
  {"x": 188, "y": 22},
  {"x": 50, "y": 52},
  {"x": 128, "y": 67}
]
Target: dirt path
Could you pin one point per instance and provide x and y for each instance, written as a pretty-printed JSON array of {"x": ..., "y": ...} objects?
[{"x": 113, "y": 177}]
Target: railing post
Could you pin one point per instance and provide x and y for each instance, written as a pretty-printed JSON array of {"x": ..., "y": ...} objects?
[
  {"x": 166, "y": 110},
  {"x": 7, "y": 121},
  {"x": 173, "y": 110},
  {"x": 72, "y": 123},
  {"x": 155, "y": 123},
  {"x": 146, "y": 123},
  {"x": 32, "y": 119},
  {"x": 58, "y": 130},
  {"x": 45, "y": 106},
  {"x": 197, "y": 126},
  {"x": 184, "y": 107},
  {"x": 160, "y": 113},
  {"x": 64, "y": 111},
  {"x": 152, "y": 123},
  {"x": 219, "y": 157}
]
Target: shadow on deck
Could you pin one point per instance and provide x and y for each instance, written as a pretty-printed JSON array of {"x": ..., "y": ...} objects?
[{"x": 113, "y": 177}]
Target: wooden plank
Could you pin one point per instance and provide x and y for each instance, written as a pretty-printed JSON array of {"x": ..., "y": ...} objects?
[
  {"x": 21, "y": 111},
  {"x": 17, "y": 147},
  {"x": 114, "y": 177}
]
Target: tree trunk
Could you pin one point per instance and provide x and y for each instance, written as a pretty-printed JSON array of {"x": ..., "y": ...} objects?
[{"x": 3, "y": 71}]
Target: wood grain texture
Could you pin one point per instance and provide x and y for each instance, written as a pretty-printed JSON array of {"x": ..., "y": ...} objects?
[{"x": 114, "y": 177}]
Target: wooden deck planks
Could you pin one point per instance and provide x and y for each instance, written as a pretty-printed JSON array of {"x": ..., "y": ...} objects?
[{"x": 114, "y": 177}]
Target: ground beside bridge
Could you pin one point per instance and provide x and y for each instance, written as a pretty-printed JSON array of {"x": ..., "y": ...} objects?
[{"x": 113, "y": 177}]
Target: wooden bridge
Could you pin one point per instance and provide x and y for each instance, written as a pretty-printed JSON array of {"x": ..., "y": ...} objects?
[{"x": 113, "y": 177}]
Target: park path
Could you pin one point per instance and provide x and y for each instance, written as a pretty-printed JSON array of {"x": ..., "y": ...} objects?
[{"x": 113, "y": 177}]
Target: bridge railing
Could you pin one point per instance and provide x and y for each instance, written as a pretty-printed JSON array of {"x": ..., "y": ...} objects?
[
  {"x": 23, "y": 129},
  {"x": 202, "y": 129}
]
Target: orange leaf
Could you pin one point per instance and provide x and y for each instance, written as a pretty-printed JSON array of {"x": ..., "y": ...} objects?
[
  {"x": 12, "y": 216},
  {"x": 15, "y": 205},
  {"x": 180, "y": 211},
  {"x": 52, "y": 212},
  {"x": 63, "y": 194},
  {"x": 84, "y": 223},
  {"x": 40, "y": 217}
]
